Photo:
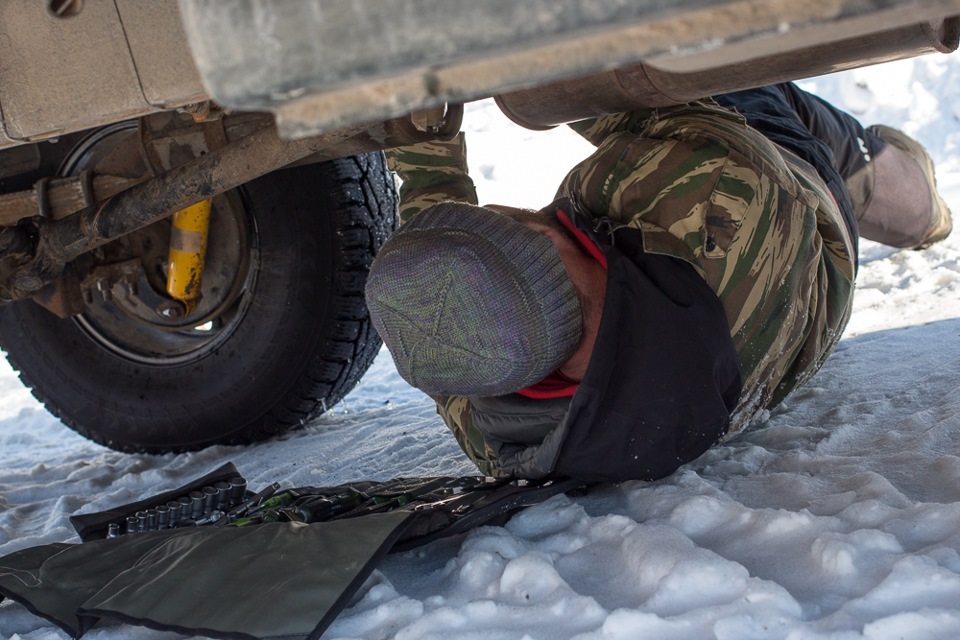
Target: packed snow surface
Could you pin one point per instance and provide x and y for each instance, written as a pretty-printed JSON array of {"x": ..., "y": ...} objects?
[{"x": 837, "y": 515}]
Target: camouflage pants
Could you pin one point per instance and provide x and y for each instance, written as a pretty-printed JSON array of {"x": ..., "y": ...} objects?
[{"x": 832, "y": 141}]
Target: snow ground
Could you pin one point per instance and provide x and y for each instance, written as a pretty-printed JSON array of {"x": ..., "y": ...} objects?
[{"x": 837, "y": 517}]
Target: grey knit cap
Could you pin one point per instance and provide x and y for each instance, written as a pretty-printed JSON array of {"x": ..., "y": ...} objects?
[{"x": 471, "y": 302}]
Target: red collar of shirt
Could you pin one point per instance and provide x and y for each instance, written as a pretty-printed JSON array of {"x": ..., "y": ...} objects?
[{"x": 557, "y": 385}]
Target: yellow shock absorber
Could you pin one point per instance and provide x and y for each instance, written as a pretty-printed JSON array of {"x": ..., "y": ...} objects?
[{"x": 188, "y": 249}]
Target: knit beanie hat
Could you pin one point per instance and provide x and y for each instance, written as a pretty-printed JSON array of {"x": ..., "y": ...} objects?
[{"x": 471, "y": 302}]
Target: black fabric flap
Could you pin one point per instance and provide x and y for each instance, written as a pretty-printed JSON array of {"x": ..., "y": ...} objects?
[
  {"x": 18, "y": 575},
  {"x": 663, "y": 377},
  {"x": 264, "y": 581},
  {"x": 275, "y": 580},
  {"x": 54, "y": 580}
]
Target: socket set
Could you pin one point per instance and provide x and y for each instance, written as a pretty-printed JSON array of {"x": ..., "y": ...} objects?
[
  {"x": 219, "y": 497},
  {"x": 208, "y": 504}
]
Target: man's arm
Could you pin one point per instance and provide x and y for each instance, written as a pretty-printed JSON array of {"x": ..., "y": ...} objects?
[
  {"x": 432, "y": 172},
  {"x": 456, "y": 412}
]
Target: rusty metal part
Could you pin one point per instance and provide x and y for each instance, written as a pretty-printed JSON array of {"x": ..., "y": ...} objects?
[
  {"x": 104, "y": 280},
  {"x": 56, "y": 243},
  {"x": 397, "y": 133},
  {"x": 645, "y": 85},
  {"x": 205, "y": 111},
  {"x": 129, "y": 275},
  {"x": 173, "y": 138},
  {"x": 188, "y": 236},
  {"x": 908, "y": 32},
  {"x": 167, "y": 139},
  {"x": 214, "y": 133},
  {"x": 19, "y": 160},
  {"x": 251, "y": 157},
  {"x": 52, "y": 244},
  {"x": 59, "y": 197},
  {"x": 62, "y": 297}
]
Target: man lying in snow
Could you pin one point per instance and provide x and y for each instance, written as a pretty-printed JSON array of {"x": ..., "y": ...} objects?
[{"x": 691, "y": 273}]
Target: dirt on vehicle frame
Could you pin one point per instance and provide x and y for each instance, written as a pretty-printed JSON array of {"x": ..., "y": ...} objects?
[{"x": 191, "y": 192}]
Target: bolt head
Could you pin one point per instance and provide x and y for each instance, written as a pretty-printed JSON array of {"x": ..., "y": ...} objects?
[{"x": 27, "y": 282}]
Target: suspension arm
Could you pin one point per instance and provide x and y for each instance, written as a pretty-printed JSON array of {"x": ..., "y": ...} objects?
[{"x": 33, "y": 253}]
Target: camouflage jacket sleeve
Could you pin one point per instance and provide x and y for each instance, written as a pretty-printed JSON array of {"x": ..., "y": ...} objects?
[
  {"x": 755, "y": 221},
  {"x": 431, "y": 172},
  {"x": 457, "y": 414}
]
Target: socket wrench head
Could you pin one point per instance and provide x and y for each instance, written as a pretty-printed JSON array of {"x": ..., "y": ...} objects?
[
  {"x": 209, "y": 499},
  {"x": 196, "y": 505},
  {"x": 223, "y": 495},
  {"x": 238, "y": 491}
]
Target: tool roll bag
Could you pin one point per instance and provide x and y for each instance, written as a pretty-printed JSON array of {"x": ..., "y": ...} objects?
[{"x": 280, "y": 564}]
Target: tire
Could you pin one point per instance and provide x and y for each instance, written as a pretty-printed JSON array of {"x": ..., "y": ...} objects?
[{"x": 295, "y": 340}]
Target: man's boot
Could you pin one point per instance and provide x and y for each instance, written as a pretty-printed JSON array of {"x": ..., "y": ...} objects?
[{"x": 905, "y": 209}]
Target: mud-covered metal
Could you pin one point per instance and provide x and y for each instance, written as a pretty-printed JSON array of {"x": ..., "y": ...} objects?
[
  {"x": 34, "y": 253},
  {"x": 321, "y": 64},
  {"x": 103, "y": 62},
  {"x": 653, "y": 85},
  {"x": 56, "y": 243}
]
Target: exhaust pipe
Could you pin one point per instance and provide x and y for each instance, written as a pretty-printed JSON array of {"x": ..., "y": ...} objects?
[{"x": 650, "y": 85}]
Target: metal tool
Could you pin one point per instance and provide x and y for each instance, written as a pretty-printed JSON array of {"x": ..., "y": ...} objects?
[
  {"x": 196, "y": 505},
  {"x": 223, "y": 496},
  {"x": 238, "y": 489}
]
